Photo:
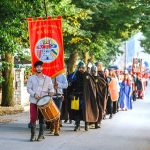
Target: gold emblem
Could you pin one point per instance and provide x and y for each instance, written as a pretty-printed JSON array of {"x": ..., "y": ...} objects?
[
  {"x": 96, "y": 80},
  {"x": 87, "y": 77}
]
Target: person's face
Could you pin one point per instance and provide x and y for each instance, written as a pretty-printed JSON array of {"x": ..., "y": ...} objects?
[
  {"x": 82, "y": 69},
  {"x": 99, "y": 67},
  {"x": 111, "y": 72},
  {"x": 106, "y": 73},
  {"x": 93, "y": 73},
  {"x": 125, "y": 76},
  {"x": 38, "y": 69}
]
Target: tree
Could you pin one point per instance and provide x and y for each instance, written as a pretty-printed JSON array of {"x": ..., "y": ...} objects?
[
  {"x": 112, "y": 22},
  {"x": 14, "y": 37}
]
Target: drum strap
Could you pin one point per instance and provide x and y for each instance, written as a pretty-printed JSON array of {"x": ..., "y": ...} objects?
[{"x": 43, "y": 85}]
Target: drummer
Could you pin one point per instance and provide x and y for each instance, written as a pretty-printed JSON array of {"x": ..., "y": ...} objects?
[{"x": 38, "y": 85}]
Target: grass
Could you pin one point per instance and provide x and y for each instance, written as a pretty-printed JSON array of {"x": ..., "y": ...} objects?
[{"x": 10, "y": 110}]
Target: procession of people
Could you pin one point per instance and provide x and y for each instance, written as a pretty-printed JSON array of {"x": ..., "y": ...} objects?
[{"x": 89, "y": 94}]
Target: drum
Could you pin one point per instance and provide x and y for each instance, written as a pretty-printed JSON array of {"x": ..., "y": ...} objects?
[{"x": 48, "y": 108}]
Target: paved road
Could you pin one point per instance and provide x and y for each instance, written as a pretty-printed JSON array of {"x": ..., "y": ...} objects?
[{"x": 126, "y": 131}]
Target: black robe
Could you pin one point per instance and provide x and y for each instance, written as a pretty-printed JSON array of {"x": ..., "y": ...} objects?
[
  {"x": 101, "y": 89},
  {"x": 91, "y": 110},
  {"x": 84, "y": 87}
]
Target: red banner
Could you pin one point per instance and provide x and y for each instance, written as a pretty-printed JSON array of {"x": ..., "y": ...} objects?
[
  {"x": 46, "y": 44},
  {"x": 137, "y": 65}
]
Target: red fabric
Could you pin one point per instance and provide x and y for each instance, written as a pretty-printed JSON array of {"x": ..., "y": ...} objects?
[
  {"x": 46, "y": 44},
  {"x": 140, "y": 94},
  {"x": 33, "y": 113}
]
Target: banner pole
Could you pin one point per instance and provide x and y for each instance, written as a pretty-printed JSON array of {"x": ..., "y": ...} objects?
[{"x": 45, "y": 9}]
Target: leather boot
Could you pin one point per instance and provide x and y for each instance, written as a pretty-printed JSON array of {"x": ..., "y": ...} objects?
[
  {"x": 47, "y": 125},
  {"x": 60, "y": 123},
  {"x": 57, "y": 128},
  {"x": 77, "y": 126},
  {"x": 110, "y": 117},
  {"x": 33, "y": 132},
  {"x": 97, "y": 126},
  {"x": 41, "y": 133},
  {"x": 52, "y": 129},
  {"x": 86, "y": 126}
]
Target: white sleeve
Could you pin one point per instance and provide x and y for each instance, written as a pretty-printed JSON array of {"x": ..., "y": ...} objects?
[
  {"x": 50, "y": 86},
  {"x": 64, "y": 83},
  {"x": 29, "y": 87}
]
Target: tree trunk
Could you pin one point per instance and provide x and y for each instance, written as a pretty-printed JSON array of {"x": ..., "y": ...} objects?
[
  {"x": 72, "y": 62},
  {"x": 86, "y": 57},
  {"x": 7, "y": 84},
  {"x": 92, "y": 59}
]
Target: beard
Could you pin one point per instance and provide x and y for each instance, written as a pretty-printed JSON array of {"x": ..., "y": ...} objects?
[
  {"x": 81, "y": 71},
  {"x": 38, "y": 71}
]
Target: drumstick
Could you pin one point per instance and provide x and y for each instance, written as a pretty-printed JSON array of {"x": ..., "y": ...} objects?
[{"x": 56, "y": 89}]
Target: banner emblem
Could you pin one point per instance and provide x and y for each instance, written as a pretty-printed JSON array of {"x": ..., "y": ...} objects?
[{"x": 47, "y": 50}]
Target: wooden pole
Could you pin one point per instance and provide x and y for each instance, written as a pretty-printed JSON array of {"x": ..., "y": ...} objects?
[{"x": 46, "y": 15}]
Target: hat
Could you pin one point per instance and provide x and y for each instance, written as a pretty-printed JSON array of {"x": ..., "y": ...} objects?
[
  {"x": 126, "y": 72},
  {"x": 38, "y": 63},
  {"x": 89, "y": 65},
  {"x": 94, "y": 68},
  {"x": 98, "y": 63},
  {"x": 81, "y": 64}
]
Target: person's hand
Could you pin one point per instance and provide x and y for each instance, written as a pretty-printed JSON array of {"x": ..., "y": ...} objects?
[
  {"x": 63, "y": 98},
  {"x": 37, "y": 97},
  {"x": 50, "y": 94},
  {"x": 56, "y": 87},
  {"x": 55, "y": 84}
]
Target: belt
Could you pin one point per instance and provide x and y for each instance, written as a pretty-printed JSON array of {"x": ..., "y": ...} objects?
[{"x": 55, "y": 96}]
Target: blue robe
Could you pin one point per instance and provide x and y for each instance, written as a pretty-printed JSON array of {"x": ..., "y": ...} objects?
[{"x": 125, "y": 100}]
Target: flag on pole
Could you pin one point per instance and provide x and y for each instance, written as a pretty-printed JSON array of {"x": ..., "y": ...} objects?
[{"x": 46, "y": 44}]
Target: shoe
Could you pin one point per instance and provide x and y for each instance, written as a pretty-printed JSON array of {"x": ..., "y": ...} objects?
[
  {"x": 52, "y": 132},
  {"x": 104, "y": 117},
  {"x": 41, "y": 133},
  {"x": 56, "y": 133},
  {"x": 86, "y": 126},
  {"x": 97, "y": 126},
  {"x": 29, "y": 125},
  {"x": 47, "y": 125},
  {"x": 65, "y": 121},
  {"x": 77, "y": 128},
  {"x": 110, "y": 117},
  {"x": 56, "y": 128},
  {"x": 33, "y": 132},
  {"x": 52, "y": 129}
]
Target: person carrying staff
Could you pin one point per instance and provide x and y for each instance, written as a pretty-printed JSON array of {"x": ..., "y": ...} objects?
[
  {"x": 38, "y": 85},
  {"x": 83, "y": 90},
  {"x": 60, "y": 83},
  {"x": 101, "y": 86}
]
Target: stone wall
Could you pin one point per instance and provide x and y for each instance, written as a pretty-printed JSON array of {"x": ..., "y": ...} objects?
[{"x": 21, "y": 96}]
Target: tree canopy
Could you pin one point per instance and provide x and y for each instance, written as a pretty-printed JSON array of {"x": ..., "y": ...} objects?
[{"x": 96, "y": 27}]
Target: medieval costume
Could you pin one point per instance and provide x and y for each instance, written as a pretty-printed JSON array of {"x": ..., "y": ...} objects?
[
  {"x": 101, "y": 85},
  {"x": 60, "y": 83},
  {"x": 114, "y": 89},
  {"x": 105, "y": 89},
  {"x": 125, "y": 102},
  {"x": 109, "y": 103},
  {"x": 134, "y": 93},
  {"x": 83, "y": 88},
  {"x": 38, "y": 85},
  {"x": 139, "y": 87}
]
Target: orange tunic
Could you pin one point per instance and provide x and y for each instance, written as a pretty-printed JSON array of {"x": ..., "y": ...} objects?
[{"x": 113, "y": 89}]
